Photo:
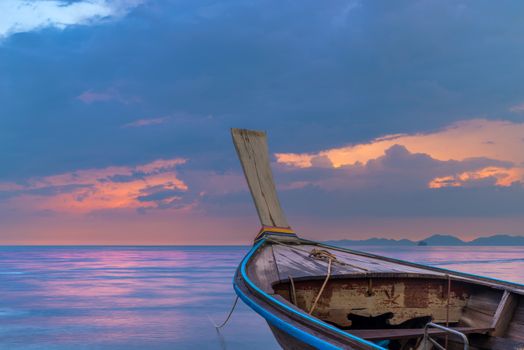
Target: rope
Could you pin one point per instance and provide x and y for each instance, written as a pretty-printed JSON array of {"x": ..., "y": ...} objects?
[
  {"x": 447, "y": 308},
  {"x": 228, "y": 316},
  {"x": 318, "y": 254},
  {"x": 322, "y": 255},
  {"x": 293, "y": 291}
]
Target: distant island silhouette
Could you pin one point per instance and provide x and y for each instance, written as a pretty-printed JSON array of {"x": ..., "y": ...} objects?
[{"x": 437, "y": 240}]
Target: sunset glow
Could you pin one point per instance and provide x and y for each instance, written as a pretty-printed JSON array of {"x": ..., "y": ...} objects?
[
  {"x": 502, "y": 177},
  {"x": 496, "y": 140},
  {"x": 84, "y": 191},
  {"x": 115, "y": 119}
]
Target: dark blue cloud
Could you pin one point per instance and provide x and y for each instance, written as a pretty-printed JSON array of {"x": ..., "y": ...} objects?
[
  {"x": 396, "y": 185},
  {"x": 314, "y": 74}
]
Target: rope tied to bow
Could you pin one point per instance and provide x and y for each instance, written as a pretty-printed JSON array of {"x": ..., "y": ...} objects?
[{"x": 324, "y": 255}]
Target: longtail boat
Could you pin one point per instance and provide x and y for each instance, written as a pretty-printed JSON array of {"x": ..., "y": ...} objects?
[{"x": 317, "y": 296}]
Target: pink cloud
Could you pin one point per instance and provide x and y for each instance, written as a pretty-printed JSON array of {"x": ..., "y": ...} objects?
[{"x": 152, "y": 185}]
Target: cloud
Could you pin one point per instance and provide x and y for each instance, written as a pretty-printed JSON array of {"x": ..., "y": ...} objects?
[
  {"x": 91, "y": 96},
  {"x": 498, "y": 141},
  {"x": 517, "y": 108},
  {"x": 18, "y": 16},
  {"x": 146, "y": 122},
  {"x": 112, "y": 94},
  {"x": 397, "y": 184},
  {"x": 148, "y": 186},
  {"x": 399, "y": 170},
  {"x": 485, "y": 176}
]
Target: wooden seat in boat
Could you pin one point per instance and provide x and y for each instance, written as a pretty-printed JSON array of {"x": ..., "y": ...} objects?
[{"x": 380, "y": 334}]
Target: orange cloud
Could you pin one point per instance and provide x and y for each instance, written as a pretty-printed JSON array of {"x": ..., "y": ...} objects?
[
  {"x": 501, "y": 176},
  {"x": 477, "y": 138},
  {"x": 84, "y": 191}
]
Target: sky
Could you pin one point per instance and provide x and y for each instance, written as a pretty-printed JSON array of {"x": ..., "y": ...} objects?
[{"x": 395, "y": 119}]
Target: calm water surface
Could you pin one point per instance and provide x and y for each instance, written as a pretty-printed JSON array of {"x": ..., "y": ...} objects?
[{"x": 162, "y": 297}]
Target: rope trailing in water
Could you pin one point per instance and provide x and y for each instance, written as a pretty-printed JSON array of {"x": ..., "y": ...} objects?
[
  {"x": 324, "y": 255},
  {"x": 228, "y": 316}
]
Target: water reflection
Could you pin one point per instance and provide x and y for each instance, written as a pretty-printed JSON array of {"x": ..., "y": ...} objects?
[{"x": 116, "y": 298}]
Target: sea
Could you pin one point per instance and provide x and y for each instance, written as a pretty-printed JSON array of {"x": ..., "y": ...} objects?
[{"x": 109, "y": 297}]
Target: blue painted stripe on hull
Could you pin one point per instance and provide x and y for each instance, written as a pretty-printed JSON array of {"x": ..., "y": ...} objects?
[{"x": 286, "y": 307}]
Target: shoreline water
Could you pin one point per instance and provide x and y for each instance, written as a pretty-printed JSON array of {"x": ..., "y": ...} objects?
[{"x": 136, "y": 297}]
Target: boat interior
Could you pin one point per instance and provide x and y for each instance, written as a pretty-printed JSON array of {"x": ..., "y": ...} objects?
[{"x": 391, "y": 303}]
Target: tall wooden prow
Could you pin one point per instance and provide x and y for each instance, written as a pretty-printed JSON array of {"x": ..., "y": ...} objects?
[{"x": 253, "y": 153}]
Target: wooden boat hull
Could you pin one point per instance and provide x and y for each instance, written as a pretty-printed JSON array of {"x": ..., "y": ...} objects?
[
  {"x": 263, "y": 278},
  {"x": 315, "y": 296}
]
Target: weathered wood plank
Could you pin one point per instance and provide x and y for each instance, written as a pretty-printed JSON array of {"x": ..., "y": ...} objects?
[
  {"x": 516, "y": 328},
  {"x": 495, "y": 343},
  {"x": 481, "y": 307},
  {"x": 405, "y": 298},
  {"x": 378, "y": 334},
  {"x": 253, "y": 153},
  {"x": 263, "y": 269},
  {"x": 504, "y": 313},
  {"x": 295, "y": 262}
]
